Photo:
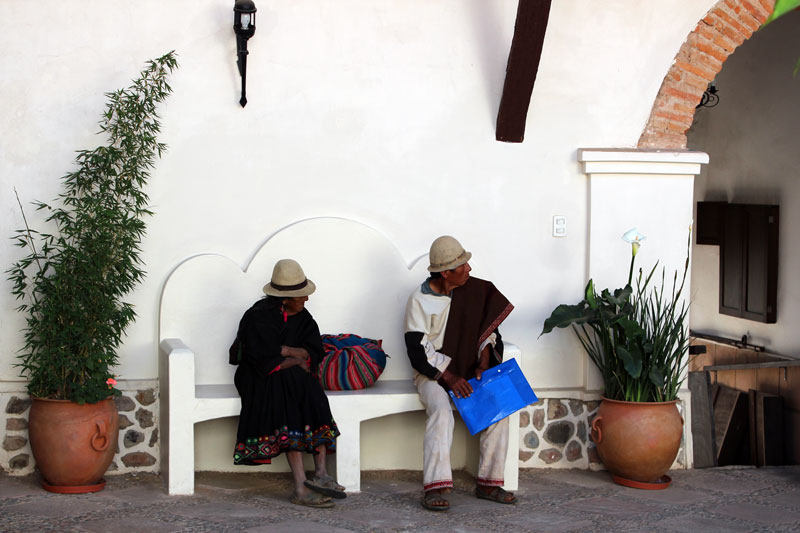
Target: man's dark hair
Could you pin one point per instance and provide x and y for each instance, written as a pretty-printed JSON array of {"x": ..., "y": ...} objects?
[{"x": 436, "y": 275}]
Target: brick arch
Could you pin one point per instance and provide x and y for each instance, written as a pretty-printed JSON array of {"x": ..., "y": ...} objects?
[{"x": 726, "y": 26}]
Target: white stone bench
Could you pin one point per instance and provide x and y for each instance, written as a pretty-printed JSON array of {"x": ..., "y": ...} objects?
[{"x": 363, "y": 292}]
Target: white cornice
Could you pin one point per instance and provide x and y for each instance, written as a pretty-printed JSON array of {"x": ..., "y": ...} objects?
[{"x": 627, "y": 161}]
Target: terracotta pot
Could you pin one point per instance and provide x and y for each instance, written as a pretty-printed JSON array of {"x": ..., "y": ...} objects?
[
  {"x": 637, "y": 440},
  {"x": 73, "y": 444}
]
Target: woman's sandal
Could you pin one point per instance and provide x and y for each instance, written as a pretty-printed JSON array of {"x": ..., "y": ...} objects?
[
  {"x": 431, "y": 499},
  {"x": 495, "y": 494},
  {"x": 312, "y": 500},
  {"x": 327, "y": 486}
]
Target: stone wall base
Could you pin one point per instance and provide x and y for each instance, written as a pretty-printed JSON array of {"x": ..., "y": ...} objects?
[
  {"x": 137, "y": 449},
  {"x": 556, "y": 433}
]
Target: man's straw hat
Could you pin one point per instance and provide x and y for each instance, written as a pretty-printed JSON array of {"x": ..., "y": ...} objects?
[{"x": 446, "y": 254}]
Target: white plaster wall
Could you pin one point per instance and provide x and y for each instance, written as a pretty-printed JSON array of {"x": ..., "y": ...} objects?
[
  {"x": 378, "y": 111},
  {"x": 751, "y": 138},
  {"x": 382, "y": 112}
]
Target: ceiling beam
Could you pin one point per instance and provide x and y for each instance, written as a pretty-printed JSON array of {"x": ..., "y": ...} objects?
[{"x": 523, "y": 64}]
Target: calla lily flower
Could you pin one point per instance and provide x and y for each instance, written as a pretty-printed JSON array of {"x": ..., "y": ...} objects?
[{"x": 635, "y": 239}]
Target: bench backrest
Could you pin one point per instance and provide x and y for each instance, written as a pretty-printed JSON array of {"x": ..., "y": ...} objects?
[{"x": 363, "y": 283}]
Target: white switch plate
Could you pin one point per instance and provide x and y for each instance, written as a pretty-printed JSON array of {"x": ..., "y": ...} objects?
[{"x": 559, "y": 226}]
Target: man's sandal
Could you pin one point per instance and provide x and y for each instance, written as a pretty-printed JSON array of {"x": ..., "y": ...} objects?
[
  {"x": 495, "y": 494},
  {"x": 327, "y": 486},
  {"x": 312, "y": 500},
  {"x": 433, "y": 501}
]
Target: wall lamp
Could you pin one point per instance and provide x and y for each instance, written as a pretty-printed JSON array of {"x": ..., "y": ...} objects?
[
  {"x": 709, "y": 98},
  {"x": 244, "y": 26}
]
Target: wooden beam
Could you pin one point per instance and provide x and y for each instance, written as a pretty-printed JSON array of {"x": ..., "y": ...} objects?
[{"x": 523, "y": 64}]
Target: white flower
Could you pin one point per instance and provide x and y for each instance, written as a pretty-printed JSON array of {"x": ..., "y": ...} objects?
[{"x": 635, "y": 239}]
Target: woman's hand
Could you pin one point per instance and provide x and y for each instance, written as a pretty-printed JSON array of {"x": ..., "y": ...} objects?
[
  {"x": 290, "y": 361},
  {"x": 296, "y": 353}
]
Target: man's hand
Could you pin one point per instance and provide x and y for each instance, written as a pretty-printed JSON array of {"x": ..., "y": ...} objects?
[
  {"x": 483, "y": 363},
  {"x": 460, "y": 386}
]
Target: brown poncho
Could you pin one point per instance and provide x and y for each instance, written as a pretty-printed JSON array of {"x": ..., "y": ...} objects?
[{"x": 476, "y": 310}]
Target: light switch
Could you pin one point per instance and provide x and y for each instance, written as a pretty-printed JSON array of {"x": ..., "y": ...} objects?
[{"x": 559, "y": 226}]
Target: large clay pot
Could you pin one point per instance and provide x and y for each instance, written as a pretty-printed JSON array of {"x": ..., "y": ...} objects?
[
  {"x": 637, "y": 441},
  {"x": 73, "y": 444}
]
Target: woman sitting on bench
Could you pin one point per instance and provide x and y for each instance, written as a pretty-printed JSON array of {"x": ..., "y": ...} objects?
[{"x": 284, "y": 408}]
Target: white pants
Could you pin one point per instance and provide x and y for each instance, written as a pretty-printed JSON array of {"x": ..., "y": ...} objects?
[{"x": 438, "y": 440}]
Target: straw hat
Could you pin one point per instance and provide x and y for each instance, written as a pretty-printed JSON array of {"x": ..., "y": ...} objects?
[
  {"x": 289, "y": 280},
  {"x": 446, "y": 254}
]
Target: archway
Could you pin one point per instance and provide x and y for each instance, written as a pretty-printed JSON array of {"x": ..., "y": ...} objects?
[{"x": 726, "y": 26}]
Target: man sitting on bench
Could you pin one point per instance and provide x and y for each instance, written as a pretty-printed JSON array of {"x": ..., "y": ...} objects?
[{"x": 451, "y": 336}]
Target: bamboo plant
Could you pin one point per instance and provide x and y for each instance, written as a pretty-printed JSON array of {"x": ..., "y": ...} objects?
[
  {"x": 637, "y": 338},
  {"x": 73, "y": 280}
]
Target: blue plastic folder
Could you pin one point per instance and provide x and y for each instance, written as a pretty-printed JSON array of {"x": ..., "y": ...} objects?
[{"x": 502, "y": 391}]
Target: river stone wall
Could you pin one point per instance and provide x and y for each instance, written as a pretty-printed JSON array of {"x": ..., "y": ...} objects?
[
  {"x": 556, "y": 433},
  {"x": 137, "y": 446}
]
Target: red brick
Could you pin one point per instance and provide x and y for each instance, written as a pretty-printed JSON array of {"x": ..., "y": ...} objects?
[
  {"x": 733, "y": 6},
  {"x": 750, "y": 21},
  {"x": 721, "y": 13},
  {"x": 682, "y": 108},
  {"x": 712, "y": 50},
  {"x": 769, "y": 5},
  {"x": 664, "y": 141},
  {"x": 713, "y": 34},
  {"x": 727, "y": 44},
  {"x": 677, "y": 128},
  {"x": 695, "y": 82},
  {"x": 709, "y": 32},
  {"x": 674, "y": 75},
  {"x": 698, "y": 58},
  {"x": 697, "y": 69},
  {"x": 680, "y": 120},
  {"x": 658, "y": 123},
  {"x": 683, "y": 95},
  {"x": 758, "y": 11},
  {"x": 734, "y": 35}
]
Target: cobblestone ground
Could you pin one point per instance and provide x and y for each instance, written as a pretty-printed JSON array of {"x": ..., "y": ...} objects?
[{"x": 699, "y": 501}]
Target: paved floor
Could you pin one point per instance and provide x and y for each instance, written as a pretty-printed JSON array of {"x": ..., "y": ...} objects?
[{"x": 699, "y": 501}]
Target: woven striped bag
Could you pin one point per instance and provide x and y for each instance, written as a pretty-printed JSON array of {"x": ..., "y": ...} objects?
[{"x": 351, "y": 362}]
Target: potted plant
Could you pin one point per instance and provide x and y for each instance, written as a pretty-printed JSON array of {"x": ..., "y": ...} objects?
[
  {"x": 638, "y": 339},
  {"x": 71, "y": 284}
]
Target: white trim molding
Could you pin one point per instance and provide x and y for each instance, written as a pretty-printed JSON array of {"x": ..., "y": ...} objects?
[{"x": 644, "y": 162}]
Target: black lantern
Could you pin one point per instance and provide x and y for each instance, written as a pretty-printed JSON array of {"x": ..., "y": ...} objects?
[{"x": 244, "y": 25}]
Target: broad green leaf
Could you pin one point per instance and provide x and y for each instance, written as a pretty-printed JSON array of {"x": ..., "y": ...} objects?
[
  {"x": 656, "y": 377},
  {"x": 631, "y": 327},
  {"x": 633, "y": 365},
  {"x": 591, "y": 299},
  {"x": 621, "y": 296},
  {"x": 781, "y": 8},
  {"x": 564, "y": 315}
]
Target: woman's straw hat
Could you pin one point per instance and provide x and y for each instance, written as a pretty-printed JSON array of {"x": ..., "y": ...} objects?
[{"x": 289, "y": 280}]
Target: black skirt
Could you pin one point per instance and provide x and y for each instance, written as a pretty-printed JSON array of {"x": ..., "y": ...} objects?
[{"x": 282, "y": 410}]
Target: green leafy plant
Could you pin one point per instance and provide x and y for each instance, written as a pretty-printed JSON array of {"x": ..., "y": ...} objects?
[
  {"x": 638, "y": 338},
  {"x": 72, "y": 281},
  {"x": 780, "y": 8}
]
